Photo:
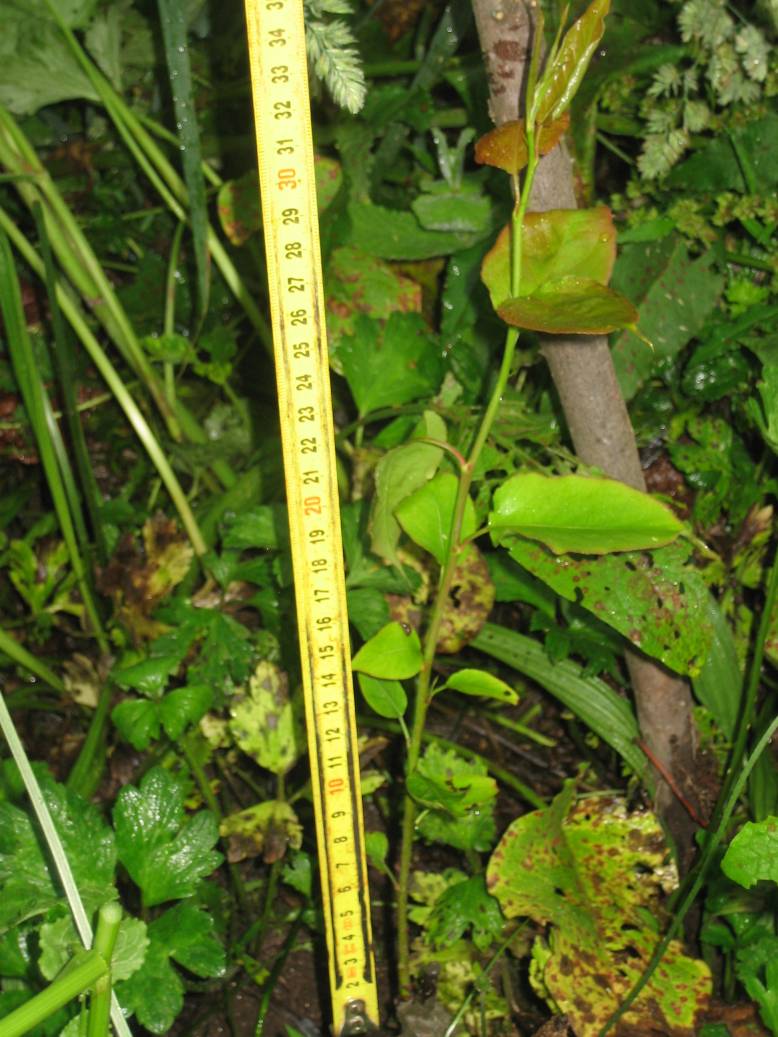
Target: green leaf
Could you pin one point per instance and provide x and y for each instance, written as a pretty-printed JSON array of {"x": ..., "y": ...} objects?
[
  {"x": 138, "y": 721},
  {"x": 150, "y": 676},
  {"x": 427, "y": 514},
  {"x": 165, "y": 854},
  {"x": 719, "y": 684},
  {"x": 265, "y": 723},
  {"x": 463, "y": 906},
  {"x": 396, "y": 234},
  {"x": 181, "y": 708},
  {"x": 59, "y": 941},
  {"x": 387, "y": 698},
  {"x": 390, "y": 366},
  {"x": 361, "y": 284},
  {"x": 459, "y": 211},
  {"x": 398, "y": 473},
  {"x": 482, "y": 685},
  {"x": 37, "y": 67},
  {"x": 752, "y": 856},
  {"x": 394, "y": 653},
  {"x": 657, "y": 601},
  {"x": 572, "y": 306},
  {"x": 459, "y": 798},
  {"x": 580, "y": 514},
  {"x": 555, "y": 244},
  {"x": 674, "y": 295},
  {"x": 594, "y": 874},
  {"x": 756, "y": 966},
  {"x": 27, "y": 889},
  {"x": 264, "y": 526},
  {"x": 368, "y": 610},
  {"x": 561, "y": 79},
  {"x": 376, "y": 848}
]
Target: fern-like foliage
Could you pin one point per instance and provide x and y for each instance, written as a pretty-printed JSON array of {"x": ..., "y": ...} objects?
[
  {"x": 332, "y": 52},
  {"x": 730, "y": 66}
]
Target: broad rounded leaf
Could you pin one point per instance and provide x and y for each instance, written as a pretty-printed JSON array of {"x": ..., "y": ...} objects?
[
  {"x": 394, "y": 653},
  {"x": 560, "y": 82},
  {"x": 574, "y": 306},
  {"x": 386, "y": 698},
  {"x": 752, "y": 856},
  {"x": 580, "y": 514},
  {"x": 506, "y": 146},
  {"x": 555, "y": 244},
  {"x": 481, "y": 684},
  {"x": 427, "y": 514}
]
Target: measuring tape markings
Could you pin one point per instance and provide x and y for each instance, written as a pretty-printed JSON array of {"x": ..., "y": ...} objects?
[{"x": 284, "y": 145}]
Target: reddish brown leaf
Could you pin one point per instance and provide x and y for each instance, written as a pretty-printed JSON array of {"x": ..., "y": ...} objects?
[{"x": 506, "y": 146}]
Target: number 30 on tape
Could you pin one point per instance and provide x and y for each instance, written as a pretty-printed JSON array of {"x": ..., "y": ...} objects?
[{"x": 276, "y": 39}]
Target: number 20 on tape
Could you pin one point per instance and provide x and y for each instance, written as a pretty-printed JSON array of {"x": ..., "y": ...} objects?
[{"x": 276, "y": 40}]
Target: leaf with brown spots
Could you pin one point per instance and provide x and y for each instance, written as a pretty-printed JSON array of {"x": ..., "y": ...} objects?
[
  {"x": 469, "y": 604},
  {"x": 265, "y": 722},
  {"x": 657, "y": 601},
  {"x": 595, "y": 875},
  {"x": 266, "y": 828}
]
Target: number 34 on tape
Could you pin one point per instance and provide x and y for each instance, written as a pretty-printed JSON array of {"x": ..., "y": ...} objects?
[{"x": 276, "y": 40}]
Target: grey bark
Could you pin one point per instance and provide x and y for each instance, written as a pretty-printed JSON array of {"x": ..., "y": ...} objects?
[{"x": 602, "y": 434}]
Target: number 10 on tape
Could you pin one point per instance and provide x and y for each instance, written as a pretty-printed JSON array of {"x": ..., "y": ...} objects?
[{"x": 276, "y": 39}]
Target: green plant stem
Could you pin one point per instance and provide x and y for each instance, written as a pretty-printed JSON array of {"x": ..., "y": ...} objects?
[
  {"x": 79, "y": 977},
  {"x": 58, "y": 856},
  {"x": 108, "y": 921},
  {"x": 86, "y": 772},
  {"x": 432, "y": 635}
]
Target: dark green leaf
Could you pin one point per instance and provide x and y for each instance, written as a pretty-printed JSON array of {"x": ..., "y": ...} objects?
[
  {"x": 392, "y": 365},
  {"x": 573, "y": 306},
  {"x": 138, "y": 721},
  {"x": 465, "y": 905},
  {"x": 150, "y": 676},
  {"x": 181, "y": 708},
  {"x": 173, "y": 18},
  {"x": 674, "y": 295},
  {"x": 165, "y": 854}
]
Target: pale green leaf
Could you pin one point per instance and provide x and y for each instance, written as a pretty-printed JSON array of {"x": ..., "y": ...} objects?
[
  {"x": 394, "y": 653},
  {"x": 575, "y": 513}
]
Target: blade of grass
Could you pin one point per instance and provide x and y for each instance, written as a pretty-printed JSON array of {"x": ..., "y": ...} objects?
[
  {"x": 65, "y": 365},
  {"x": 50, "y": 447},
  {"x": 172, "y": 16},
  {"x": 77, "y": 257},
  {"x": 598, "y": 706},
  {"x": 116, "y": 385},
  {"x": 161, "y": 173}
]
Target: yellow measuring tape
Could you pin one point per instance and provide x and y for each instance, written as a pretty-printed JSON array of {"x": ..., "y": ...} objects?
[{"x": 279, "y": 74}]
